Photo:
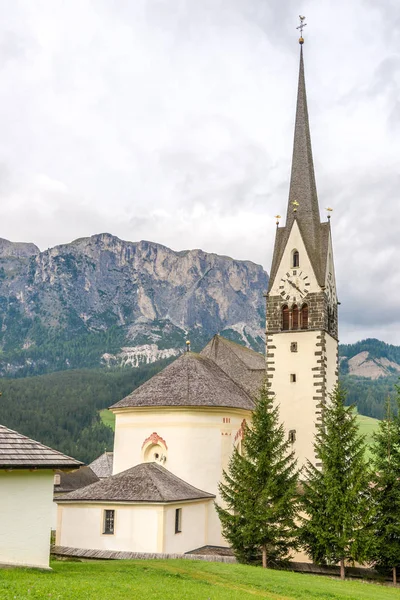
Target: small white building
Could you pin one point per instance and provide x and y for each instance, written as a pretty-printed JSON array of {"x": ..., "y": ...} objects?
[
  {"x": 26, "y": 498},
  {"x": 143, "y": 509}
]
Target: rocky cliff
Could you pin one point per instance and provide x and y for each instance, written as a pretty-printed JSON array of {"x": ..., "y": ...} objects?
[{"x": 133, "y": 302}]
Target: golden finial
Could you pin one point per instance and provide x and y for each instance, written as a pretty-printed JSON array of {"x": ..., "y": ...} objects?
[
  {"x": 187, "y": 346},
  {"x": 277, "y": 217},
  {"x": 295, "y": 204},
  {"x": 301, "y": 27}
]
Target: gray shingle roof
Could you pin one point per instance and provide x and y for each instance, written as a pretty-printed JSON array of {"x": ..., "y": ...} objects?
[
  {"x": 303, "y": 189},
  {"x": 244, "y": 366},
  {"x": 103, "y": 465},
  {"x": 18, "y": 452},
  {"x": 74, "y": 481},
  {"x": 191, "y": 380},
  {"x": 147, "y": 482}
]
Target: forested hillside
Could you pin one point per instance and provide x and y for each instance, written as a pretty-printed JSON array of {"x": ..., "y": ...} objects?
[{"x": 61, "y": 409}]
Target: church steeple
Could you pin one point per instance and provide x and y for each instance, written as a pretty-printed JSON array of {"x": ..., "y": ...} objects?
[
  {"x": 303, "y": 199},
  {"x": 301, "y": 303}
]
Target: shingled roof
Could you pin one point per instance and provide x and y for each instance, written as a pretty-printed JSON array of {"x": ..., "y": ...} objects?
[
  {"x": 243, "y": 365},
  {"x": 103, "y": 465},
  {"x": 147, "y": 482},
  {"x": 191, "y": 380},
  {"x": 20, "y": 452},
  {"x": 303, "y": 190},
  {"x": 74, "y": 481}
]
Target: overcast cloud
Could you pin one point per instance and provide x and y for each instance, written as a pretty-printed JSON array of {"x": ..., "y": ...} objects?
[{"x": 172, "y": 121}]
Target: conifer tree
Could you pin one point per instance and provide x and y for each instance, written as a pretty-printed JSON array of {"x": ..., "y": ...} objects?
[
  {"x": 336, "y": 499},
  {"x": 386, "y": 491},
  {"x": 260, "y": 489}
]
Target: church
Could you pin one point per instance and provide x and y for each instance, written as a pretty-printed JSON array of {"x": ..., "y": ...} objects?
[{"x": 174, "y": 435}]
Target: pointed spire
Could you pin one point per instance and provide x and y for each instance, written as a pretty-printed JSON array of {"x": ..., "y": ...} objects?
[{"x": 303, "y": 199}]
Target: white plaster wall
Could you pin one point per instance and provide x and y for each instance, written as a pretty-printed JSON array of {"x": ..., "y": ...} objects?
[
  {"x": 198, "y": 441},
  {"x": 26, "y": 499},
  {"x": 199, "y": 444},
  {"x": 295, "y": 242},
  {"x": 194, "y": 532},
  {"x": 136, "y": 529},
  {"x": 296, "y": 404},
  {"x": 331, "y": 370}
]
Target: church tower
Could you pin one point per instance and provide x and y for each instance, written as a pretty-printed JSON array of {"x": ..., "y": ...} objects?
[{"x": 302, "y": 322}]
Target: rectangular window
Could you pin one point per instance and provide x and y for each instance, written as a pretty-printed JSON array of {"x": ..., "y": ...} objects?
[
  {"x": 293, "y": 377},
  {"x": 108, "y": 525},
  {"x": 292, "y": 436},
  {"x": 178, "y": 520},
  {"x": 293, "y": 347}
]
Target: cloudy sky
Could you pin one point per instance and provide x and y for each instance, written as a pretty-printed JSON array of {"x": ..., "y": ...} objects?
[{"x": 172, "y": 121}]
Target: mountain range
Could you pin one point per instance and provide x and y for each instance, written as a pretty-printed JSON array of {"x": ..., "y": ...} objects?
[{"x": 104, "y": 301}]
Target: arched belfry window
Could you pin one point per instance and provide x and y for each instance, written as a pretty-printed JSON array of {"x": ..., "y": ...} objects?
[
  {"x": 304, "y": 317},
  {"x": 295, "y": 259},
  {"x": 285, "y": 317},
  {"x": 295, "y": 317}
]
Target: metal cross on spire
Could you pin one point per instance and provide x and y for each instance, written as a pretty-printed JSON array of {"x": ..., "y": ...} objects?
[{"x": 301, "y": 27}]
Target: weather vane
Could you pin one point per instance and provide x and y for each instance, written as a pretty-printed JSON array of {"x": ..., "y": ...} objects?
[
  {"x": 277, "y": 217},
  {"x": 301, "y": 27},
  {"x": 329, "y": 209},
  {"x": 295, "y": 204}
]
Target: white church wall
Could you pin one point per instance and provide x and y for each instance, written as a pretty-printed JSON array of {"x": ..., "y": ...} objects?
[
  {"x": 332, "y": 365},
  {"x": 137, "y": 528},
  {"x": 297, "y": 407},
  {"x": 194, "y": 528},
  {"x": 198, "y": 442},
  {"x": 26, "y": 499}
]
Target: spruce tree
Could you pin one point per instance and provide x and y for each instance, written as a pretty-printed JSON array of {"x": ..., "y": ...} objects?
[
  {"x": 336, "y": 498},
  {"x": 260, "y": 489},
  {"x": 386, "y": 491}
]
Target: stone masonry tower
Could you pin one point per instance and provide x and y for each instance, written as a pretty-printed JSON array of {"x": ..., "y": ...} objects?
[{"x": 302, "y": 322}]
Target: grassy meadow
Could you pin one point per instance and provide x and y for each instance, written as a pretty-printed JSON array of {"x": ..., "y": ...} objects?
[{"x": 177, "y": 580}]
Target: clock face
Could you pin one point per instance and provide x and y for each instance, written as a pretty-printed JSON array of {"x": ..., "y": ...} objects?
[
  {"x": 294, "y": 287},
  {"x": 330, "y": 289}
]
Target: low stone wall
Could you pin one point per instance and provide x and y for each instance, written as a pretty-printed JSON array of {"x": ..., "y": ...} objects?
[{"x": 114, "y": 555}]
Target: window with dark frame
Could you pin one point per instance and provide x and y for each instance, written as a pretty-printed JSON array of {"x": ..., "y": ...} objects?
[
  {"x": 293, "y": 377},
  {"x": 285, "y": 318},
  {"x": 292, "y": 436},
  {"x": 178, "y": 520},
  {"x": 304, "y": 316},
  {"x": 293, "y": 346},
  {"x": 295, "y": 317},
  {"x": 109, "y": 518},
  {"x": 296, "y": 259}
]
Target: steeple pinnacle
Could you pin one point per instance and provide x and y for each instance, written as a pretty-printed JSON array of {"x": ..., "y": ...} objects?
[{"x": 303, "y": 199}]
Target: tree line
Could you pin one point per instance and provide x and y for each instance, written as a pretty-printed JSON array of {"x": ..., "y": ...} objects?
[
  {"x": 61, "y": 409},
  {"x": 341, "y": 509}
]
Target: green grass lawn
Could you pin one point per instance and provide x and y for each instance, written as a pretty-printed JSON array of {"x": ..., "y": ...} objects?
[
  {"x": 177, "y": 580},
  {"x": 108, "y": 418}
]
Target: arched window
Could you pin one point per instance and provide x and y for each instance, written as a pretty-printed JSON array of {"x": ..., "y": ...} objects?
[
  {"x": 295, "y": 317},
  {"x": 296, "y": 258},
  {"x": 285, "y": 318},
  {"x": 304, "y": 316}
]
